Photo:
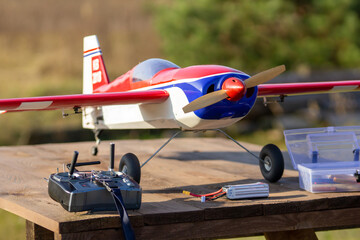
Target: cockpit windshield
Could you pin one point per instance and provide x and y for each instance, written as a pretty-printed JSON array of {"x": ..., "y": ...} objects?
[{"x": 148, "y": 68}]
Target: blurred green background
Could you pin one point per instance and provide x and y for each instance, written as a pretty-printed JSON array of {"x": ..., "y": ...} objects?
[{"x": 41, "y": 54}]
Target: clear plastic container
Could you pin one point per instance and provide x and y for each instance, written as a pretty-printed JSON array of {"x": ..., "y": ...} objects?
[
  {"x": 329, "y": 177},
  {"x": 327, "y": 158},
  {"x": 322, "y": 145}
]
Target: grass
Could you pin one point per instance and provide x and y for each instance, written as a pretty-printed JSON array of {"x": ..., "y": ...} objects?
[
  {"x": 347, "y": 234},
  {"x": 11, "y": 226}
]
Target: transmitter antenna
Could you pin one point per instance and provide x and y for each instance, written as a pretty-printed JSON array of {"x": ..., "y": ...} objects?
[
  {"x": 73, "y": 163},
  {"x": 112, "y": 156}
]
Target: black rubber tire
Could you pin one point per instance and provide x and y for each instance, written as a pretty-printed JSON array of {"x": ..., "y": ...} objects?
[
  {"x": 94, "y": 150},
  {"x": 272, "y": 168},
  {"x": 130, "y": 165}
]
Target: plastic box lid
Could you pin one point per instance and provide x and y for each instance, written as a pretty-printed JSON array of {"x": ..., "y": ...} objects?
[{"x": 323, "y": 145}]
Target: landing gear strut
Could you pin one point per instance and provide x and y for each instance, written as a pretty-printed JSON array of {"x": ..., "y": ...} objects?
[
  {"x": 271, "y": 160},
  {"x": 94, "y": 149}
]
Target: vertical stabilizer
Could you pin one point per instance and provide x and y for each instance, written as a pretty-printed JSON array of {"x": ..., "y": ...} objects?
[
  {"x": 94, "y": 72},
  {"x": 94, "y": 76}
]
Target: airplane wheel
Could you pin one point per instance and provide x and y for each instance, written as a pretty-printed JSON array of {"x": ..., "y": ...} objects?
[
  {"x": 272, "y": 167},
  {"x": 94, "y": 150},
  {"x": 130, "y": 165}
]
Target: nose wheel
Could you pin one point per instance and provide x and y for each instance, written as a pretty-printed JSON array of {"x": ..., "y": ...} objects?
[{"x": 272, "y": 166}]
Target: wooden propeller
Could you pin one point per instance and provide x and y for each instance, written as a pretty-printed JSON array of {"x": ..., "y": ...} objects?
[{"x": 217, "y": 96}]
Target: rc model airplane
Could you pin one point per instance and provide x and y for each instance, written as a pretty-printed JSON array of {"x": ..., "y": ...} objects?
[{"x": 157, "y": 93}]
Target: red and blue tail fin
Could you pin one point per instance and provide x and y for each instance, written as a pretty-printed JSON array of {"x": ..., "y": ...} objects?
[{"x": 94, "y": 71}]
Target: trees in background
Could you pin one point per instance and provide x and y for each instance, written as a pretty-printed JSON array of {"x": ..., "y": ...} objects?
[{"x": 255, "y": 35}]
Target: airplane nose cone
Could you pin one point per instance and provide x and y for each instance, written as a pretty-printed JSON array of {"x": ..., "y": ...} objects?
[{"x": 234, "y": 88}]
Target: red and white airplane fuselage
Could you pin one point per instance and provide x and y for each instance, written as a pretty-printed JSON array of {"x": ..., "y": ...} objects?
[{"x": 163, "y": 75}]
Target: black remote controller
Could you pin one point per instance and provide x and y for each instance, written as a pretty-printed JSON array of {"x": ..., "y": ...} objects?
[{"x": 89, "y": 190}]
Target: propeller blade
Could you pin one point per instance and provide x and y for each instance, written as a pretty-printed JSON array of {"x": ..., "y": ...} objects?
[
  {"x": 264, "y": 76},
  {"x": 206, "y": 100}
]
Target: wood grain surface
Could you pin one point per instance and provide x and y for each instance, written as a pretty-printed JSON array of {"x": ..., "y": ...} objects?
[{"x": 199, "y": 165}]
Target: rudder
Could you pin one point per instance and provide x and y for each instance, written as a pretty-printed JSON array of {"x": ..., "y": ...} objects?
[{"x": 94, "y": 71}]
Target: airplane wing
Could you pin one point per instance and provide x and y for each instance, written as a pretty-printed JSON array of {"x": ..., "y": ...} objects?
[
  {"x": 288, "y": 89},
  {"x": 81, "y": 100}
]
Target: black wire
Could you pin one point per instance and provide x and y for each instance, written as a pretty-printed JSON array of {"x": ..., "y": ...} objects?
[{"x": 217, "y": 196}]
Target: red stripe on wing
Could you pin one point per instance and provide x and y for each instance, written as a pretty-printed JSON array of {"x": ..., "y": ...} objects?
[
  {"x": 279, "y": 89},
  {"x": 82, "y": 100}
]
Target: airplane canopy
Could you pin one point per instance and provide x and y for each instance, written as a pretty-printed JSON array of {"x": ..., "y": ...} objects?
[{"x": 148, "y": 68}]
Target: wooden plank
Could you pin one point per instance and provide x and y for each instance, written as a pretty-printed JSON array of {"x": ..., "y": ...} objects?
[
  {"x": 247, "y": 210},
  {"x": 36, "y": 232},
  {"x": 240, "y": 227},
  {"x": 306, "y": 234},
  {"x": 27, "y": 213},
  {"x": 168, "y": 211}
]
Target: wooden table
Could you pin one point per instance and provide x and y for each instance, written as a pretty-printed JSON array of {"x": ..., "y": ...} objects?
[{"x": 199, "y": 165}]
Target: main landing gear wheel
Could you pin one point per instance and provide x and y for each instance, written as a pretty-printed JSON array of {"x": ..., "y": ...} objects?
[
  {"x": 129, "y": 164},
  {"x": 272, "y": 167}
]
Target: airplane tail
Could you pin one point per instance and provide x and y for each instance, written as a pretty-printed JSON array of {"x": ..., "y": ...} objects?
[
  {"x": 94, "y": 76},
  {"x": 94, "y": 71}
]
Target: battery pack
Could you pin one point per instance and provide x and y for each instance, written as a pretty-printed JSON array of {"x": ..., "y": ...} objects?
[{"x": 242, "y": 191}]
